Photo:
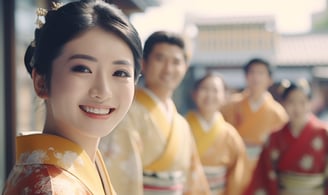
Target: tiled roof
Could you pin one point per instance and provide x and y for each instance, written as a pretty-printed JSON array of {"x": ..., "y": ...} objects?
[
  {"x": 299, "y": 50},
  {"x": 210, "y": 20},
  {"x": 288, "y": 50}
]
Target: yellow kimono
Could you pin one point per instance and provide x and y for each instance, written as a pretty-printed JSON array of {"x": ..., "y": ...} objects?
[
  {"x": 222, "y": 153},
  {"x": 254, "y": 126},
  {"x": 151, "y": 153},
  {"x": 48, "y": 164}
]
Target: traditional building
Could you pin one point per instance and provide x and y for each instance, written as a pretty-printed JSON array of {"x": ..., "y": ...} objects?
[{"x": 224, "y": 45}]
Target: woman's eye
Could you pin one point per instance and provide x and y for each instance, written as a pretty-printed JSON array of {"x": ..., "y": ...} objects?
[
  {"x": 121, "y": 73},
  {"x": 81, "y": 68}
]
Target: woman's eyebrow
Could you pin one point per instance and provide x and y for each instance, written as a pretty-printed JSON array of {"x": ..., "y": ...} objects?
[
  {"x": 91, "y": 58},
  {"x": 83, "y": 56},
  {"x": 122, "y": 62}
]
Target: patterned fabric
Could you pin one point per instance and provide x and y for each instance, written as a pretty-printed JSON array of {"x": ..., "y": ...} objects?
[
  {"x": 163, "y": 183},
  {"x": 222, "y": 154},
  {"x": 48, "y": 164},
  {"x": 293, "y": 165},
  {"x": 139, "y": 140}
]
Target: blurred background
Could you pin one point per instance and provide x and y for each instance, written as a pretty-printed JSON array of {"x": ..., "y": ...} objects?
[{"x": 222, "y": 35}]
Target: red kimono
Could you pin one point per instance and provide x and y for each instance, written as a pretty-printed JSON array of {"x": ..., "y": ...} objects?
[
  {"x": 52, "y": 165},
  {"x": 293, "y": 165}
]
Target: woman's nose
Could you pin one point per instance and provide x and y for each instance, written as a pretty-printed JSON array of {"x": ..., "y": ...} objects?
[{"x": 101, "y": 89}]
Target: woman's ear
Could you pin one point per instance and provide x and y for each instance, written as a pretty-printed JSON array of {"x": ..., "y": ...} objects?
[{"x": 40, "y": 85}]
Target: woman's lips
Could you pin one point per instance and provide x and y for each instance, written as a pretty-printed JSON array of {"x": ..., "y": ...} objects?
[{"x": 97, "y": 111}]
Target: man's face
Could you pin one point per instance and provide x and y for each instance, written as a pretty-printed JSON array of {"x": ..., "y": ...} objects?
[
  {"x": 165, "y": 67},
  {"x": 258, "y": 78}
]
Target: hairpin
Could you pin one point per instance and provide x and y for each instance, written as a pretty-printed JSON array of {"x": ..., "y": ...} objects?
[
  {"x": 40, "y": 12},
  {"x": 56, "y": 6},
  {"x": 284, "y": 84}
]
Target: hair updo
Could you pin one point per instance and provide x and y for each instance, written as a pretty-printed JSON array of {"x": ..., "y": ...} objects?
[
  {"x": 287, "y": 87},
  {"x": 69, "y": 21}
]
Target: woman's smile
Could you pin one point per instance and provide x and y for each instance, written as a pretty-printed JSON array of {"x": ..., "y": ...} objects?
[{"x": 97, "y": 111}]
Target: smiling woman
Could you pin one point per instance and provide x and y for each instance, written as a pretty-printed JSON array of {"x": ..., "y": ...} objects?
[{"x": 86, "y": 74}]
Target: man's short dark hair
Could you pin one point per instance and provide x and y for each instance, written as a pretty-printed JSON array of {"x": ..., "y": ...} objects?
[
  {"x": 164, "y": 37},
  {"x": 253, "y": 61}
]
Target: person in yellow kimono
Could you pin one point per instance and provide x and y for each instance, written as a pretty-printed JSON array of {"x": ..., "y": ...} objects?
[
  {"x": 84, "y": 62},
  {"x": 152, "y": 151},
  {"x": 221, "y": 149},
  {"x": 254, "y": 112}
]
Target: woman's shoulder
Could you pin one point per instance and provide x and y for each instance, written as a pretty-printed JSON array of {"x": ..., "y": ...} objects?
[{"x": 42, "y": 179}]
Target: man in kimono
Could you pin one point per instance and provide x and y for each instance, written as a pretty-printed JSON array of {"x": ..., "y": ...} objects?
[
  {"x": 254, "y": 112},
  {"x": 153, "y": 151},
  {"x": 221, "y": 149}
]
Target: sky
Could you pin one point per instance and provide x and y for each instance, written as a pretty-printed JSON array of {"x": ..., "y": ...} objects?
[{"x": 292, "y": 16}]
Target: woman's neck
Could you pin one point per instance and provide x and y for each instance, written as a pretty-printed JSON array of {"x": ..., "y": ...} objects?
[
  {"x": 297, "y": 126},
  {"x": 207, "y": 116},
  {"x": 161, "y": 94},
  {"x": 256, "y": 97},
  {"x": 88, "y": 144}
]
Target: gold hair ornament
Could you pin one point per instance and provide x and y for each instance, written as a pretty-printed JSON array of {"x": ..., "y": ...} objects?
[
  {"x": 40, "y": 20},
  {"x": 41, "y": 12},
  {"x": 56, "y": 6},
  {"x": 284, "y": 84}
]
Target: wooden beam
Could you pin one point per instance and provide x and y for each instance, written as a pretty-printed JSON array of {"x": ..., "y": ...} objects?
[{"x": 8, "y": 13}]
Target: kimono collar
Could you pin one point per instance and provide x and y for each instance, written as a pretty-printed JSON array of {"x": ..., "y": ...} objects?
[{"x": 60, "y": 152}]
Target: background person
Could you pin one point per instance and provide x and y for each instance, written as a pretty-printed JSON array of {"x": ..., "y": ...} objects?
[
  {"x": 294, "y": 159},
  {"x": 221, "y": 149},
  {"x": 254, "y": 112},
  {"x": 152, "y": 151}
]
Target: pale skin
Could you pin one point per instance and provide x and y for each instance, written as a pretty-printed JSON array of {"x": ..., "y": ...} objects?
[
  {"x": 209, "y": 97},
  {"x": 298, "y": 108},
  {"x": 258, "y": 81},
  {"x": 91, "y": 88},
  {"x": 164, "y": 69}
]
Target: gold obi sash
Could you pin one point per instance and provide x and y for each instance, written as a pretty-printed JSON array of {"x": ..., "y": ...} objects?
[
  {"x": 169, "y": 130},
  {"x": 160, "y": 183},
  {"x": 301, "y": 184}
]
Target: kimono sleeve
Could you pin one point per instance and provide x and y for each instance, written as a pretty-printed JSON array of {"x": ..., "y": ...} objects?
[
  {"x": 236, "y": 172},
  {"x": 43, "y": 179},
  {"x": 121, "y": 153},
  {"x": 196, "y": 181}
]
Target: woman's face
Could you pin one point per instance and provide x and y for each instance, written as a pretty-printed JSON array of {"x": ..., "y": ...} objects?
[
  {"x": 92, "y": 85},
  {"x": 210, "y": 95},
  {"x": 297, "y": 105}
]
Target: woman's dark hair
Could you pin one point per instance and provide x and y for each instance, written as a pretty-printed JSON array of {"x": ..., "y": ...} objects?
[
  {"x": 289, "y": 87},
  {"x": 202, "y": 79},
  {"x": 71, "y": 20},
  {"x": 164, "y": 37},
  {"x": 253, "y": 61}
]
